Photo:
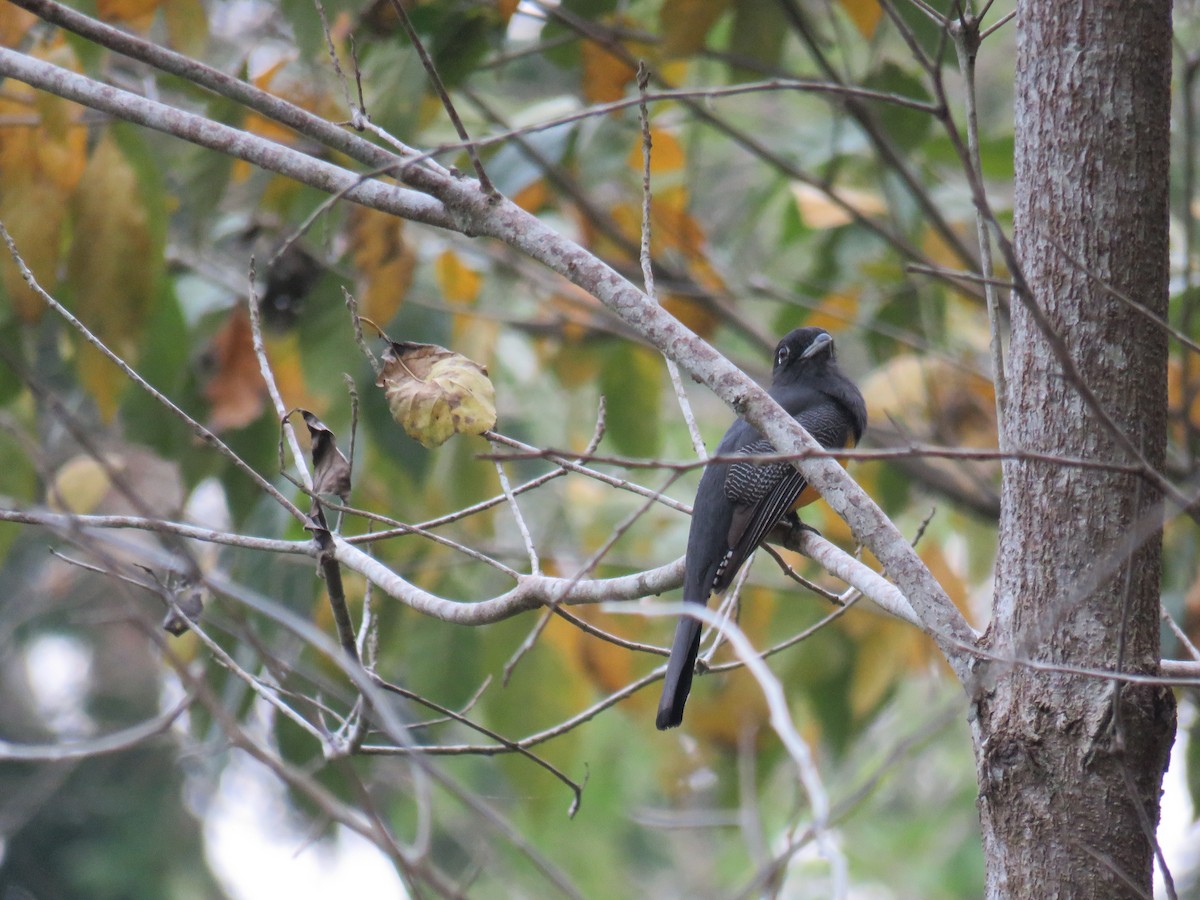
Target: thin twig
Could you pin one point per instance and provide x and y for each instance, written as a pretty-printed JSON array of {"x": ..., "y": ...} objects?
[
  {"x": 965, "y": 33},
  {"x": 685, "y": 406},
  {"x": 268, "y": 375},
  {"x": 530, "y": 548},
  {"x": 780, "y": 719},
  {"x": 556, "y": 599},
  {"x": 439, "y": 88},
  {"x": 1180, "y": 634},
  {"x": 117, "y": 741},
  {"x": 515, "y": 747},
  {"x": 199, "y": 430}
]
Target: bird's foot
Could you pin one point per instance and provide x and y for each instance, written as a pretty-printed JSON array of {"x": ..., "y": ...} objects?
[{"x": 794, "y": 521}]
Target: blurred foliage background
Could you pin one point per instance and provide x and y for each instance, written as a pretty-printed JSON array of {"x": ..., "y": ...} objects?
[{"x": 771, "y": 209}]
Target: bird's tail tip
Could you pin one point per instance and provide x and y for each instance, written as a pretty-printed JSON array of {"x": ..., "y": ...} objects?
[{"x": 670, "y": 715}]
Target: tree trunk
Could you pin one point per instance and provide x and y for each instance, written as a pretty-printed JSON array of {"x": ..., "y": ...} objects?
[{"x": 1069, "y": 780}]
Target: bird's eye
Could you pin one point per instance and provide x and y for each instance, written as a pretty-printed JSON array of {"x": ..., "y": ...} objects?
[{"x": 782, "y": 356}]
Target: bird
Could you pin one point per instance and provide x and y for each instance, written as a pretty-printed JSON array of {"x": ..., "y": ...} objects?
[{"x": 738, "y": 503}]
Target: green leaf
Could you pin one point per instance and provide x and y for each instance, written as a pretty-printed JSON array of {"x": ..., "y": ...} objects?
[
  {"x": 759, "y": 31},
  {"x": 631, "y": 381},
  {"x": 906, "y": 127},
  {"x": 457, "y": 37}
]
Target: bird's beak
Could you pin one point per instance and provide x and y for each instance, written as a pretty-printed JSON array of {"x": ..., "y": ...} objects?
[{"x": 820, "y": 342}]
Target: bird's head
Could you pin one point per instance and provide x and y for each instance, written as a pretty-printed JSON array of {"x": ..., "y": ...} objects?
[{"x": 803, "y": 350}]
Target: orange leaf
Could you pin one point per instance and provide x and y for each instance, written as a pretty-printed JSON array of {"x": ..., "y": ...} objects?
[
  {"x": 137, "y": 14},
  {"x": 696, "y": 314},
  {"x": 1175, "y": 398},
  {"x": 666, "y": 153},
  {"x": 302, "y": 92},
  {"x": 933, "y": 396},
  {"x": 865, "y": 15},
  {"x": 939, "y": 252},
  {"x": 236, "y": 392},
  {"x": 673, "y": 224},
  {"x": 14, "y": 23},
  {"x": 835, "y": 311},
  {"x": 533, "y": 196},
  {"x": 286, "y": 357},
  {"x": 605, "y": 76}
]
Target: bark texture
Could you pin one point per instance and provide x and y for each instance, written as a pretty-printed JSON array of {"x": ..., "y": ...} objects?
[{"x": 1069, "y": 791}]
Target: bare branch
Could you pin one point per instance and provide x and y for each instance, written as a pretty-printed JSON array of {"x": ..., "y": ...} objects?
[{"x": 109, "y": 743}]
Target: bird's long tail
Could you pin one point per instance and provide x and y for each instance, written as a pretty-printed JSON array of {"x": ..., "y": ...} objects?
[{"x": 678, "y": 681}]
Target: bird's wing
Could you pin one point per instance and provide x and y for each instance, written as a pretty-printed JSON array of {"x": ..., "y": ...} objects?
[{"x": 763, "y": 493}]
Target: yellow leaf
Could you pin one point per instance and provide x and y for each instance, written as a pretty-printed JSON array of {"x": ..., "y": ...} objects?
[
  {"x": 187, "y": 26},
  {"x": 61, "y": 143},
  {"x": 110, "y": 266},
  {"x": 939, "y": 252},
  {"x": 918, "y": 399},
  {"x": 1175, "y": 398},
  {"x": 819, "y": 211},
  {"x": 50, "y": 143},
  {"x": 933, "y": 397},
  {"x": 573, "y": 368},
  {"x": 435, "y": 393},
  {"x": 81, "y": 483},
  {"x": 885, "y": 649},
  {"x": 384, "y": 259},
  {"x": 865, "y": 15},
  {"x": 458, "y": 282},
  {"x": 685, "y": 24},
  {"x": 286, "y": 355},
  {"x": 673, "y": 72},
  {"x": 33, "y": 212},
  {"x": 41, "y": 162},
  {"x": 605, "y": 665}
]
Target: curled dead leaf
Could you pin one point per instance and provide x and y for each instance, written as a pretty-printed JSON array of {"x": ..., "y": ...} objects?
[
  {"x": 435, "y": 393},
  {"x": 331, "y": 469}
]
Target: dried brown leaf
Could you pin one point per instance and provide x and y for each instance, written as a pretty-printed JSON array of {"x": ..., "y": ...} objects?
[
  {"x": 331, "y": 469},
  {"x": 435, "y": 393}
]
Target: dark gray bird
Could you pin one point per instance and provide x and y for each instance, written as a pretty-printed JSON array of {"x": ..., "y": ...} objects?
[{"x": 737, "y": 504}]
